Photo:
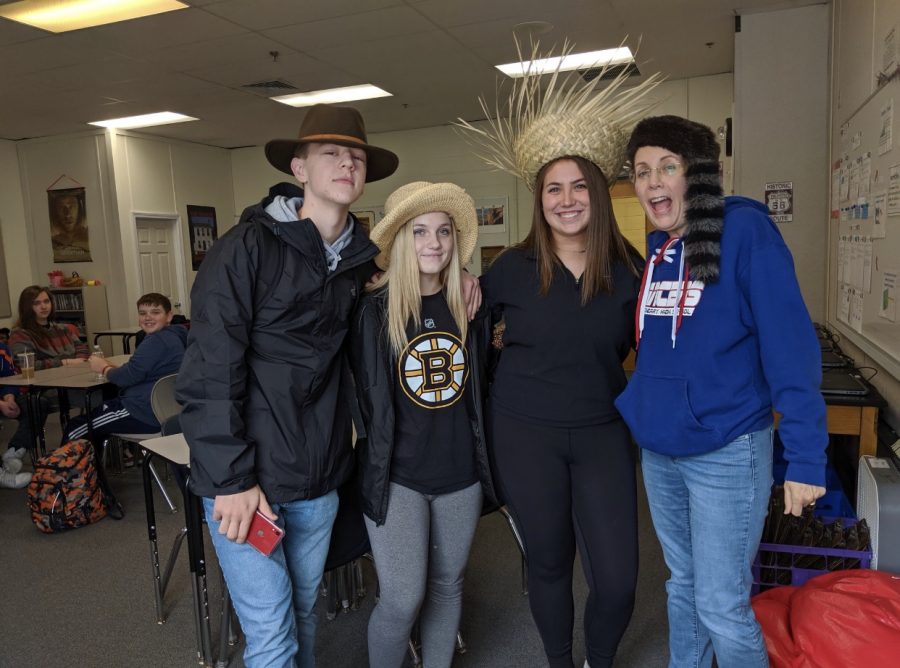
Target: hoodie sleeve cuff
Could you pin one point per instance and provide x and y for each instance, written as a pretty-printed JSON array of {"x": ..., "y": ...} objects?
[{"x": 810, "y": 474}]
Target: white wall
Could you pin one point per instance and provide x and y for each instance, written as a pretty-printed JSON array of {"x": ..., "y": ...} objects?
[
  {"x": 67, "y": 162},
  {"x": 156, "y": 176},
  {"x": 781, "y": 81},
  {"x": 123, "y": 174},
  {"x": 17, "y": 247},
  {"x": 860, "y": 27}
]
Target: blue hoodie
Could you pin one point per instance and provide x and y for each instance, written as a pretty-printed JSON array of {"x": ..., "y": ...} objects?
[
  {"x": 712, "y": 368},
  {"x": 158, "y": 355}
]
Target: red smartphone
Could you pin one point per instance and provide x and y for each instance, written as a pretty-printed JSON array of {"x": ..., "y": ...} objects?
[{"x": 264, "y": 534}]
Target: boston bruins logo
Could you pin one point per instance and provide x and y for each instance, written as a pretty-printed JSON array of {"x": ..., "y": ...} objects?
[{"x": 433, "y": 369}]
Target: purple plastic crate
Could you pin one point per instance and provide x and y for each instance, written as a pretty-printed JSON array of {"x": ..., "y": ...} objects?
[{"x": 777, "y": 565}]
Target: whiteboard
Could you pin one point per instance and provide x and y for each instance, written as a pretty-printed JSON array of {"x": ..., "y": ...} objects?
[{"x": 864, "y": 267}]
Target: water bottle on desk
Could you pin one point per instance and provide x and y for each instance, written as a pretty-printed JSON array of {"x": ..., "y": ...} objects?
[{"x": 99, "y": 354}]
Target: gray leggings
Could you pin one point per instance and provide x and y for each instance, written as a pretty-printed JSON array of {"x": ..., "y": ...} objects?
[{"x": 425, "y": 540}]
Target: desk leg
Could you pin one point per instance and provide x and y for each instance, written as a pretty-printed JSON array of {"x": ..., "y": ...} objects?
[
  {"x": 868, "y": 431},
  {"x": 33, "y": 406},
  {"x": 197, "y": 558},
  {"x": 160, "y": 583}
]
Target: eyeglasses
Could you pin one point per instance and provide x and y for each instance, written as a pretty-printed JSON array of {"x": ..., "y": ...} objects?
[{"x": 666, "y": 170}]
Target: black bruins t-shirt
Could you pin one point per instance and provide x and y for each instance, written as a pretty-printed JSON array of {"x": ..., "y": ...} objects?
[{"x": 434, "y": 448}]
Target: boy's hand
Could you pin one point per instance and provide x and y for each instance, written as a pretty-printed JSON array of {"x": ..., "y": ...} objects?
[
  {"x": 234, "y": 512},
  {"x": 98, "y": 363},
  {"x": 471, "y": 290}
]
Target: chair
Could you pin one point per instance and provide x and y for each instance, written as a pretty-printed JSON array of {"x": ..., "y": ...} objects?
[{"x": 162, "y": 401}]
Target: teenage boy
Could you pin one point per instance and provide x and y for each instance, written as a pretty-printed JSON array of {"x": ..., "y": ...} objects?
[
  {"x": 159, "y": 355},
  {"x": 265, "y": 382}
]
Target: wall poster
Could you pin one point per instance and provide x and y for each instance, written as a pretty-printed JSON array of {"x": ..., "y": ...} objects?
[
  {"x": 68, "y": 225},
  {"x": 203, "y": 232}
]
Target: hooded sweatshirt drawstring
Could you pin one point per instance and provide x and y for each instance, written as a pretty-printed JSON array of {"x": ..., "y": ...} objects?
[{"x": 663, "y": 253}]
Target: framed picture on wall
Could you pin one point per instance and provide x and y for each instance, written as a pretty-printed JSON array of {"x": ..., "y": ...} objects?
[
  {"x": 68, "y": 225},
  {"x": 491, "y": 213},
  {"x": 202, "y": 230}
]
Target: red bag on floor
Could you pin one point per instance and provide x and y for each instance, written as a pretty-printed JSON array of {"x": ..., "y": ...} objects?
[{"x": 845, "y": 619}]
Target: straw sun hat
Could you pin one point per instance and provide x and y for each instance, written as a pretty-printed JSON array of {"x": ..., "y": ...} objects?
[
  {"x": 560, "y": 115},
  {"x": 414, "y": 199}
]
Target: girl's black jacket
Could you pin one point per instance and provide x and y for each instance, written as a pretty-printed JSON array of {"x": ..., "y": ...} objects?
[{"x": 373, "y": 362}]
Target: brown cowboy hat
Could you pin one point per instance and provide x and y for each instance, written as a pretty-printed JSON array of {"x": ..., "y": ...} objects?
[{"x": 329, "y": 124}]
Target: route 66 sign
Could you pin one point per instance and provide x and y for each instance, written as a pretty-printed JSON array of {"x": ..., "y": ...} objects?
[{"x": 780, "y": 201}]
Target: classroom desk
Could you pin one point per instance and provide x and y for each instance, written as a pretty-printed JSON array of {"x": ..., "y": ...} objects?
[
  {"x": 174, "y": 449},
  {"x": 127, "y": 333},
  {"x": 74, "y": 377},
  {"x": 854, "y": 416}
]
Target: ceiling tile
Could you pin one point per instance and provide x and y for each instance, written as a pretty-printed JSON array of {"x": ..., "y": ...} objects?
[{"x": 275, "y": 13}]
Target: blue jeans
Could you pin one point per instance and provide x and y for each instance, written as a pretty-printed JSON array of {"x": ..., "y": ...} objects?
[
  {"x": 708, "y": 511},
  {"x": 275, "y": 597}
]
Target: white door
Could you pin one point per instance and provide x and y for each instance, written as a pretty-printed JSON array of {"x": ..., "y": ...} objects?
[{"x": 158, "y": 258}]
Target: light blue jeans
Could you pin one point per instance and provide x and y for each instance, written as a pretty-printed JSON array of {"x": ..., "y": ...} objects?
[
  {"x": 275, "y": 597},
  {"x": 708, "y": 511}
]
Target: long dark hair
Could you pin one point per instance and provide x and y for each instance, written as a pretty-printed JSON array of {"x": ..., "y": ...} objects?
[
  {"x": 27, "y": 318},
  {"x": 605, "y": 243}
]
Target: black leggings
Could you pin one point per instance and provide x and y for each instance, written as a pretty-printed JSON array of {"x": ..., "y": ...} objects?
[{"x": 564, "y": 486}]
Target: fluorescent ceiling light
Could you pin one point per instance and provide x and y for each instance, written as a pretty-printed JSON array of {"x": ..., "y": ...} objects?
[
  {"x": 65, "y": 15},
  {"x": 574, "y": 61},
  {"x": 144, "y": 120},
  {"x": 333, "y": 95}
]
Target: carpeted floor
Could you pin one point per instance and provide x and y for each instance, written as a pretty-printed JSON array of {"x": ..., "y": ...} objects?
[{"x": 84, "y": 598}]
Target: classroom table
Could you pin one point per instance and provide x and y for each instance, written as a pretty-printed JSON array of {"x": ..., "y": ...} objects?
[
  {"x": 73, "y": 377},
  {"x": 854, "y": 416},
  {"x": 127, "y": 333}
]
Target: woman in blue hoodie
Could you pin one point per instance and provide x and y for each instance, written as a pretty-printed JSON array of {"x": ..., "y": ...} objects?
[{"x": 723, "y": 338}]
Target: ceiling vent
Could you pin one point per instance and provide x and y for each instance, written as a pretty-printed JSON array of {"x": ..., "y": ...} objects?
[
  {"x": 611, "y": 72},
  {"x": 269, "y": 88}
]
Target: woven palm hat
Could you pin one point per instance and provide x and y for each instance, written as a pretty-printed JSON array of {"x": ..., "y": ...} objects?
[
  {"x": 560, "y": 116},
  {"x": 330, "y": 124},
  {"x": 414, "y": 199}
]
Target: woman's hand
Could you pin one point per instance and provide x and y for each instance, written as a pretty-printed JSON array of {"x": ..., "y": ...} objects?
[
  {"x": 471, "y": 290},
  {"x": 798, "y": 495}
]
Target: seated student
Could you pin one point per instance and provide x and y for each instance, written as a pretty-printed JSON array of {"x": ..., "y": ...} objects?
[
  {"x": 54, "y": 344},
  {"x": 10, "y": 476},
  {"x": 159, "y": 355}
]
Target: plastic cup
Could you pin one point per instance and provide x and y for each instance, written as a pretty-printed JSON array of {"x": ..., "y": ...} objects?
[{"x": 26, "y": 365}]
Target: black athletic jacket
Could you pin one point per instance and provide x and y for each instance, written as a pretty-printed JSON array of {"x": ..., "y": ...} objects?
[
  {"x": 265, "y": 382},
  {"x": 373, "y": 360}
]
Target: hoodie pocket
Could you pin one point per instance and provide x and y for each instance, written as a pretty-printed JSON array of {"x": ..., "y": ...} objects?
[{"x": 658, "y": 411}]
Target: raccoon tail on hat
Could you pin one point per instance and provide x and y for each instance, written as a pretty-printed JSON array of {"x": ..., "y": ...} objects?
[{"x": 705, "y": 217}]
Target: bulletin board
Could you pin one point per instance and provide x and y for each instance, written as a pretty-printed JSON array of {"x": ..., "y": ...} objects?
[{"x": 864, "y": 281}]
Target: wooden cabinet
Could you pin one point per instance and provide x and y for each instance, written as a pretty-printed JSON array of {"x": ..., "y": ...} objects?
[{"x": 85, "y": 308}]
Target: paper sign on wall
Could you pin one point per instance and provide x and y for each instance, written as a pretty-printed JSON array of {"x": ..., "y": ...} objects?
[{"x": 780, "y": 201}]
